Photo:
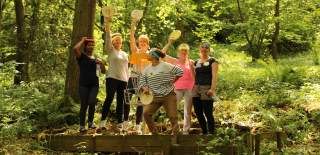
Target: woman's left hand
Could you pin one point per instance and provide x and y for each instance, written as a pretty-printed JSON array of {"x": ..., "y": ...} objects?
[
  {"x": 211, "y": 93},
  {"x": 99, "y": 62}
]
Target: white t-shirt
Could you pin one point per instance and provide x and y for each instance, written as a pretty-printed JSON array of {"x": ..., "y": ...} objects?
[{"x": 118, "y": 66}]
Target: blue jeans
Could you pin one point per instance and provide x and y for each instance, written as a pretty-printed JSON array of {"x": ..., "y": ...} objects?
[{"x": 88, "y": 98}]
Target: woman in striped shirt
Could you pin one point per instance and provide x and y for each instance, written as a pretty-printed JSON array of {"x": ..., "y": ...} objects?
[{"x": 159, "y": 78}]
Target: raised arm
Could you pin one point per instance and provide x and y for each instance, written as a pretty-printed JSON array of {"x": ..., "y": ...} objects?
[
  {"x": 108, "y": 42},
  {"x": 167, "y": 46},
  {"x": 76, "y": 48},
  {"x": 168, "y": 58},
  {"x": 133, "y": 45}
]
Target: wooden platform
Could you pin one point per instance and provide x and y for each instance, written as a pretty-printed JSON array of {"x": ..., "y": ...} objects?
[{"x": 166, "y": 144}]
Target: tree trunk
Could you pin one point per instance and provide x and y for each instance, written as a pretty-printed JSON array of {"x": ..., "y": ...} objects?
[
  {"x": 34, "y": 27},
  {"x": 22, "y": 56},
  {"x": 83, "y": 23},
  {"x": 275, "y": 37},
  {"x": 3, "y": 4}
]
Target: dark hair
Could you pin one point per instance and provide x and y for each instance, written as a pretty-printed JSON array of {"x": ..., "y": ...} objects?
[
  {"x": 158, "y": 53},
  {"x": 86, "y": 42}
]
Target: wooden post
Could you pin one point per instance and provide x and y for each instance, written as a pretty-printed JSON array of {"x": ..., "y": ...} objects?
[
  {"x": 279, "y": 141},
  {"x": 257, "y": 144}
]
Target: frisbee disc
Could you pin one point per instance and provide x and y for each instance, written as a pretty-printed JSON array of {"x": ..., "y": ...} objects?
[
  {"x": 137, "y": 14},
  {"x": 174, "y": 35}
]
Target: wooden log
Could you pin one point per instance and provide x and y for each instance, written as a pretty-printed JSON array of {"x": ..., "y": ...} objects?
[
  {"x": 257, "y": 144},
  {"x": 279, "y": 141}
]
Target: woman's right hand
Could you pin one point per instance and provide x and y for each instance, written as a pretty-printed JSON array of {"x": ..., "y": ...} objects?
[
  {"x": 108, "y": 19},
  {"x": 145, "y": 90},
  {"x": 84, "y": 38}
]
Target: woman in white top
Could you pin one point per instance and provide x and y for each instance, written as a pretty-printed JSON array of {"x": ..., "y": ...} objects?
[{"x": 117, "y": 75}]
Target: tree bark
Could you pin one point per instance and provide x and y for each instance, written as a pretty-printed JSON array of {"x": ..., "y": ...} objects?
[
  {"x": 275, "y": 37},
  {"x": 34, "y": 27},
  {"x": 83, "y": 23},
  {"x": 22, "y": 56}
]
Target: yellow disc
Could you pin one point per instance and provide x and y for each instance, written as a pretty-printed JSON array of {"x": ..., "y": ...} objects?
[
  {"x": 108, "y": 11},
  {"x": 174, "y": 35},
  {"x": 146, "y": 98},
  {"x": 137, "y": 14}
]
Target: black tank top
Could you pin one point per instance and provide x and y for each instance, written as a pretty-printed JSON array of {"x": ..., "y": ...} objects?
[
  {"x": 204, "y": 72},
  {"x": 88, "y": 66}
]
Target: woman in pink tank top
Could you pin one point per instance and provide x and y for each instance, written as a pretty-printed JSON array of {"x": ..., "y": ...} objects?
[{"x": 184, "y": 85}]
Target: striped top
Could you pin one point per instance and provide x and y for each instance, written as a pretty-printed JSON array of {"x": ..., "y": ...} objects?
[{"x": 159, "y": 79}]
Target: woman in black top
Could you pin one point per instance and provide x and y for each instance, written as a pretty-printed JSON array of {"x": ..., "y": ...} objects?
[
  {"x": 206, "y": 69},
  {"x": 88, "y": 80}
]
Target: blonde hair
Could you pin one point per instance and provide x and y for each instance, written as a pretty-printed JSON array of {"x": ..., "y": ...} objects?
[
  {"x": 143, "y": 36},
  {"x": 184, "y": 46}
]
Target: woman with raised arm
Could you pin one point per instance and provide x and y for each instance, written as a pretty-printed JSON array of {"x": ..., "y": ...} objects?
[
  {"x": 138, "y": 61},
  {"x": 88, "y": 80},
  {"x": 206, "y": 69},
  {"x": 183, "y": 86},
  {"x": 117, "y": 75},
  {"x": 158, "y": 79}
]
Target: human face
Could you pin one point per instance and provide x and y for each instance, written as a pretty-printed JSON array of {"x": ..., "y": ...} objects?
[
  {"x": 90, "y": 47},
  {"x": 183, "y": 54},
  {"x": 117, "y": 42},
  {"x": 204, "y": 52},
  {"x": 143, "y": 44}
]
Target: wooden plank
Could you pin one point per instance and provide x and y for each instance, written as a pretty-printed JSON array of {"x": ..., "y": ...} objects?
[
  {"x": 195, "y": 150},
  {"x": 133, "y": 143},
  {"x": 192, "y": 140},
  {"x": 71, "y": 143},
  {"x": 109, "y": 143}
]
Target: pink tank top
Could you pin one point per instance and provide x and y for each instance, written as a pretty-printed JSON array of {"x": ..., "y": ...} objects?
[{"x": 186, "y": 81}]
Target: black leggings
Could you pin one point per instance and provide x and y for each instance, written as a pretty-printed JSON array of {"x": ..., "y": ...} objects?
[
  {"x": 139, "y": 111},
  {"x": 201, "y": 108},
  {"x": 88, "y": 98},
  {"x": 114, "y": 86}
]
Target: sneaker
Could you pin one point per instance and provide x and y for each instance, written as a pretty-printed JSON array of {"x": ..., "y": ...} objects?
[
  {"x": 82, "y": 129},
  {"x": 91, "y": 126},
  {"x": 138, "y": 129},
  {"x": 120, "y": 126},
  {"x": 125, "y": 125},
  {"x": 102, "y": 124}
]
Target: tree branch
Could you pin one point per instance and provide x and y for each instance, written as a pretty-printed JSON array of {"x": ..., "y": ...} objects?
[{"x": 68, "y": 6}]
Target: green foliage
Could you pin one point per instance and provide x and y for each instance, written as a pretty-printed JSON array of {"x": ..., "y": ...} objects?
[{"x": 30, "y": 107}]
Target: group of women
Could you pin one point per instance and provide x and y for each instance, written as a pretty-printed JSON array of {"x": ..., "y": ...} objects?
[{"x": 150, "y": 71}]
